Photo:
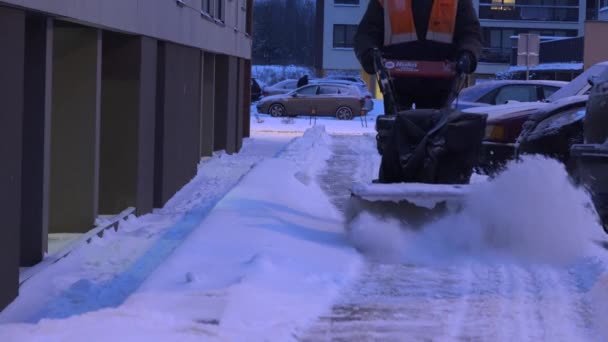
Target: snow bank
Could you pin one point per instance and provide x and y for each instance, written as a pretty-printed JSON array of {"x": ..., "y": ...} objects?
[
  {"x": 530, "y": 212},
  {"x": 264, "y": 263}
]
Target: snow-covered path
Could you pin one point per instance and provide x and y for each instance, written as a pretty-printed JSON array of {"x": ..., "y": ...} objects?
[
  {"x": 267, "y": 258},
  {"x": 469, "y": 300}
]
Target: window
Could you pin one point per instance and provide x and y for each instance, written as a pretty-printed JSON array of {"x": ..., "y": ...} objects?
[
  {"x": 207, "y": 7},
  {"x": 549, "y": 90},
  {"x": 498, "y": 42},
  {"x": 331, "y": 90},
  {"x": 521, "y": 93},
  {"x": 346, "y": 2},
  {"x": 309, "y": 90},
  {"x": 344, "y": 35},
  {"x": 219, "y": 10}
]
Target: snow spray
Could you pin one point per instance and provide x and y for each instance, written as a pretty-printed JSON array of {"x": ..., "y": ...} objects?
[{"x": 531, "y": 212}]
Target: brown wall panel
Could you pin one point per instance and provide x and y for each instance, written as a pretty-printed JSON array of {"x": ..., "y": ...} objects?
[
  {"x": 75, "y": 128},
  {"x": 178, "y": 119},
  {"x": 36, "y": 138}
]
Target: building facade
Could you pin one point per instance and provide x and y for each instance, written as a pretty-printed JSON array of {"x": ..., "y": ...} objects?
[{"x": 107, "y": 105}]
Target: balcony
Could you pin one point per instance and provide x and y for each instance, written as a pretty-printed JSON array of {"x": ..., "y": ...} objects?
[{"x": 505, "y": 11}]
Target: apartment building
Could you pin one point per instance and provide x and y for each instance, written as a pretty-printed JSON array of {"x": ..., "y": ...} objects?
[
  {"x": 501, "y": 20},
  {"x": 107, "y": 105}
]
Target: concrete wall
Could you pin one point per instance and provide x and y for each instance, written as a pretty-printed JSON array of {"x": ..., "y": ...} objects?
[
  {"x": 340, "y": 58},
  {"x": 11, "y": 118},
  {"x": 75, "y": 128},
  {"x": 177, "y": 119},
  {"x": 161, "y": 19},
  {"x": 596, "y": 49},
  {"x": 36, "y": 138}
]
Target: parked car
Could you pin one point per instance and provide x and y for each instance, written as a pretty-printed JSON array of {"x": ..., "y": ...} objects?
[
  {"x": 501, "y": 133},
  {"x": 343, "y": 101},
  {"x": 281, "y": 87},
  {"x": 504, "y": 91},
  {"x": 369, "y": 103},
  {"x": 505, "y": 122},
  {"x": 256, "y": 89}
]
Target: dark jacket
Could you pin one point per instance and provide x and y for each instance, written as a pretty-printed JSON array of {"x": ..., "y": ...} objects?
[
  {"x": 302, "y": 81},
  {"x": 467, "y": 35}
]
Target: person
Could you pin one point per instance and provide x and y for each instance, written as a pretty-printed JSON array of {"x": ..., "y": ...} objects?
[
  {"x": 420, "y": 30},
  {"x": 303, "y": 81}
]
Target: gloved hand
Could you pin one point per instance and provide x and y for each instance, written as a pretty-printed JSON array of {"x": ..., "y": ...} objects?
[
  {"x": 367, "y": 61},
  {"x": 466, "y": 63}
]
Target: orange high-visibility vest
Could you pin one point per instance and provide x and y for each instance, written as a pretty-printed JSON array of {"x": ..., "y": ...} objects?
[{"x": 399, "y": 26}]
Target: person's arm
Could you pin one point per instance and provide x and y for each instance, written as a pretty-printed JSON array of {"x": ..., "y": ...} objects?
[
  {"x": 467, "y": 35},
  {"x": 369, "y": 35}
]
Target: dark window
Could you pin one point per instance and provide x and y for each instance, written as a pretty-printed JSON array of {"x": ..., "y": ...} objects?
[
  {"x": 207, "y": 6},
  {"x": 344, "y": 35},
  {"x": 498, "y": 42},
  {"x": 520, "y": 92},
  {"x": 549, "y": 90},
  {"x": 346, "y": 2},
  {"x": 309, "y": 90},
  {"x": 219, "y": 10}
]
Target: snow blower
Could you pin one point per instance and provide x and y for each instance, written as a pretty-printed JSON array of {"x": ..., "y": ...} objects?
[{"x": 428, "y": 155}]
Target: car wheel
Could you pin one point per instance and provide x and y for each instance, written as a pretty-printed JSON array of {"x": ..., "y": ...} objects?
[
  {"x": 344, "y": 113},
  {"x": 276, "y": 110}
]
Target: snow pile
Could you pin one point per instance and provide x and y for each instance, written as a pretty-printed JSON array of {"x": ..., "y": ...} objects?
[
  {"x": 263, "y": 264},
  {"x": 530, "y": 212}
]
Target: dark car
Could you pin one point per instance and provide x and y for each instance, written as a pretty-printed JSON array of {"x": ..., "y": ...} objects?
[
  {"x": 503, "y": 91},
  {"x": 505, "y": 122}
]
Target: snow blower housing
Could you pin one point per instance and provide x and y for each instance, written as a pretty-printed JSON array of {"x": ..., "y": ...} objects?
[
  {"x": 428, "y": 155},
  {"x": 435, "y": 146}
]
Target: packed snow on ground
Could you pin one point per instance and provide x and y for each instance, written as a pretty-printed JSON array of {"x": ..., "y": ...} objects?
[
  {"x": 533, "y": 227},
  {"x": 358, "y": 125},
  {"x": 264, "y": 261}
]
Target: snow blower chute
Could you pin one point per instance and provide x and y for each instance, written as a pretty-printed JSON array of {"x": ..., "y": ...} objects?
[{"x": 428, "y": 155}]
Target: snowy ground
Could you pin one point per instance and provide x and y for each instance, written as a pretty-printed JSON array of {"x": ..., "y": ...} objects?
[{"x": 255, "y": 249}]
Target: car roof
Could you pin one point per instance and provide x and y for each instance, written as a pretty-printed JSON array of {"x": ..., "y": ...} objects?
[{"x": 504, "y": 82}]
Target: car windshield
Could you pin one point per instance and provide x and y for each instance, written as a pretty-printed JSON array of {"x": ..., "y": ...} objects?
[
  {"x": 578, "y": 85},
  {"x": 474, "y": 93}
]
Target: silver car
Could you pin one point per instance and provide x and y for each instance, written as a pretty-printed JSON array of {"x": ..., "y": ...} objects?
[{"x": 343, "y": 101}]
